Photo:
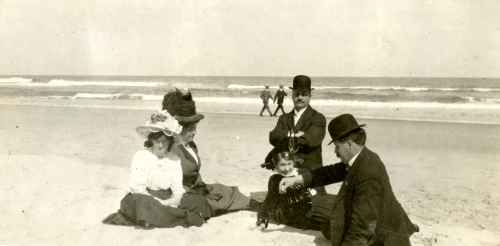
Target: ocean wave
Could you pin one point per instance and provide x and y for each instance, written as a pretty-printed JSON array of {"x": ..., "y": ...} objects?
[
  {"x": 396, "y": 88},
  {"x": 96, "y": 96},
  {"x": 15, "y": 80},
  {"x": 455, "y": 102},
  {"x": 232, "y": 86},
  {"x": 62, "y": 82},
  {"x": 145, "y": 97}
]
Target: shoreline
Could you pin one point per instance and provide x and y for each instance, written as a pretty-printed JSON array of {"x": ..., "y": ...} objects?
[{"x": 154, "y": 106}]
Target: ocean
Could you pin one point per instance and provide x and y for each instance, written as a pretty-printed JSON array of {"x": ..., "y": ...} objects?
[{"x": 146, "y": 92}]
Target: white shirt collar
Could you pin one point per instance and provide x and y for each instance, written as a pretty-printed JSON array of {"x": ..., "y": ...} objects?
[
  {"x": 298, "y": 113},
  {"x": 353, "y": 159}
]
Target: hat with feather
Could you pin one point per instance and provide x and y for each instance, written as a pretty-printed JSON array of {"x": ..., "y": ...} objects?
[{"x": 181, "y": 105}]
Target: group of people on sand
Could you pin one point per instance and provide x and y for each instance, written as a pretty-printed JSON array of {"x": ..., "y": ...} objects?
[{"x": 167, "y": 190}]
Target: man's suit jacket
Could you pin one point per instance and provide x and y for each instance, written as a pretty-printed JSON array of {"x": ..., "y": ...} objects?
[
  {"x": 280, "y": 95},
  {"x": 371, "y": 211},
  {"x": 265, "y": 95},
  {"x": 313, "y": 124},
  {"x": 190, "y": 168}
]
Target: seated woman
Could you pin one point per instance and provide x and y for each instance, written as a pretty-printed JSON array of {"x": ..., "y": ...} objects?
[
  {"x": 157, "y": 197},
  {"x": 293, "y": 208},
  {"x": 220, "y": 197}
]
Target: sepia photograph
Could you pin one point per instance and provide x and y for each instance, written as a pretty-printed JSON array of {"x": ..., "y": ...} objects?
[{"x": 250, "y": 122}]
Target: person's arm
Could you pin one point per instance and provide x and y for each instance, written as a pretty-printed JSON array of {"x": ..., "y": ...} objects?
[
  {"x": 279, "y": 132},
  {"x": 262, "y": 95},
  {"x": 325, "y": 175},
  {"x": 314, "y": 136},
  {"x": 275, "y": 96},
  {"x": 366, "y": 202},
  {"x": 139, "y": 174},
  {"x": 176, "y": 187}
]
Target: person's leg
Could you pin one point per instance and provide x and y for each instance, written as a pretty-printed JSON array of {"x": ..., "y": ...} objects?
[
  {"x": 232, "y": 199},
  {"x": 276, "y": 111},
  {"x": 196, "y": 203},
  {"x": 262, "y": 111},
  {"x": 269, "y": 110},
  {"x": 282, "y": 109}
]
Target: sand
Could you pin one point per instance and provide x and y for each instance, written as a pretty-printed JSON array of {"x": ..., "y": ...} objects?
[{"x": 64, "y": 169}]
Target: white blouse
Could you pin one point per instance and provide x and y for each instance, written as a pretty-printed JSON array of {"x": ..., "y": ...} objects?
[{"x": 148, "y": 171}]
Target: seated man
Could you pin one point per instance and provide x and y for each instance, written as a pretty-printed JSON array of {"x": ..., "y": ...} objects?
[{"x": 365, "y": 211}]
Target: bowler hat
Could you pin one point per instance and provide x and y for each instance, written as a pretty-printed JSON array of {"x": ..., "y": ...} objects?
[
  {"x": 342, "y": 125},
  {"x": 301, "y": 83},
  {"x": 181, "y": 106}
]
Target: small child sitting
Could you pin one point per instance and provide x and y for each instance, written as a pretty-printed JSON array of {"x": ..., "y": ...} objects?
[{"x": 293, "y": 208}]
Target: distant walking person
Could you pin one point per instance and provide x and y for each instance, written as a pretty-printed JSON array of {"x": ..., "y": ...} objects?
[
  {"x": 280, "y": 95},
  {"x": 265, "y": 95}
]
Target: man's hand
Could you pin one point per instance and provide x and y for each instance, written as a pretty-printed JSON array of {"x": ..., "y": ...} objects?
[
  {"x": 285, "y": 183},
  {"x": 299, "y": 134}
]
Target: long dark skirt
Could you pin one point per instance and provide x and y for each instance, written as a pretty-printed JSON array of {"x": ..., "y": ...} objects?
[
  {"x": 138, "y": 209},
  {"x": 231, "y": 200}
]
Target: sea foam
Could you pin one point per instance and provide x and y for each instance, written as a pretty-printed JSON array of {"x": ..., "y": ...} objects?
[
  {"x": 62, "y": 82},
  {"x": 15, "y": 80}
]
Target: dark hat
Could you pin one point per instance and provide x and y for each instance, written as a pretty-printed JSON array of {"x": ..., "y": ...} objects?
[
  {"x": 301, "y": 83},
  {"x": 181, "y": 106},
  {"x": 342, "y": 125}
]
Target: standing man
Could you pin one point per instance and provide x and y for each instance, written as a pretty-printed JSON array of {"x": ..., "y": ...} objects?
[
  {"x": 303, "y": 126},
  {"x": 265, "y": 95},
  {"x": 365, "y": 211},
  {"x": 280, "y": 95}
]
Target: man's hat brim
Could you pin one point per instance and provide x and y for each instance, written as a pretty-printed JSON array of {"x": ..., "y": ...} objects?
[{"x": 345, "y": 133}]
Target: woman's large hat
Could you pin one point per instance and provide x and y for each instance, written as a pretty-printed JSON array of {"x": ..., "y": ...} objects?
[
  {"x": 342, "y": 125},
  {"x": 162, "y": 121},
  {"x": 301, "y": 83},
  {"x": 181, "y": 106}
]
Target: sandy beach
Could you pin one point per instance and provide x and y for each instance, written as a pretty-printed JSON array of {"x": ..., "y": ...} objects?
[{"x": 65, "y": 169}]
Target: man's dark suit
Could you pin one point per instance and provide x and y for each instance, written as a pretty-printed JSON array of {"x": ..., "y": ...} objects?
[
  {"x": 313, "y": 124},
  {"x": 280, "y": 96},
  {"x": 265, "y": 95},
  {"x": 366, "y": 205}
]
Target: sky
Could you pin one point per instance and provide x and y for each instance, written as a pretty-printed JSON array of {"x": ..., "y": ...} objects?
[{"x": 340, "y": 38}]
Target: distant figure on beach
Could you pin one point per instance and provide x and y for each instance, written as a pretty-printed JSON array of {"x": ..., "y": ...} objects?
[
  {"x": 365, "y": 211},
  {"x": 157, "y": 198},
  {"x": 265, "y": 95},
  {"x": 304, "y": 126},
  {"x": 221, "y": 198},
  {"x": 280, "y": 96},
  {"x": 293, "y": 208}
]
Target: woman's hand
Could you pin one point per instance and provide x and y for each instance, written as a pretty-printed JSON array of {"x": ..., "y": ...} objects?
[{"x": 172, "y": 202}]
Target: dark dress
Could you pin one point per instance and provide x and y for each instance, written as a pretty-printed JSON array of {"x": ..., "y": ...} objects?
[
  {"x": 230, "y": 197},
  {"x": 293, "y": 208},
  {"x": 138, "y": 209}
]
